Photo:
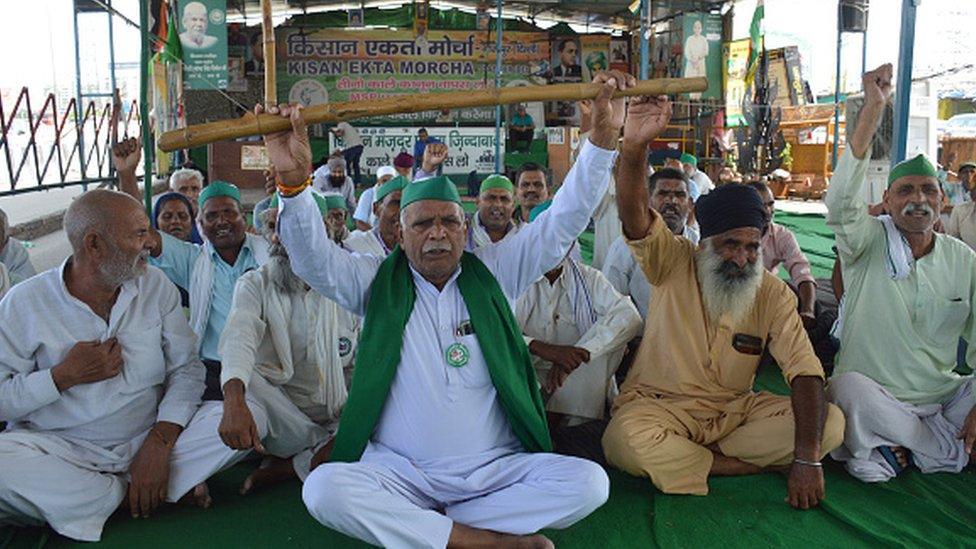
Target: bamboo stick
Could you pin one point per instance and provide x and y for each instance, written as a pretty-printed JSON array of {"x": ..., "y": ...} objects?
[
  {"x": 249, "y": 124},
  {"x": 268, "y": 37}
]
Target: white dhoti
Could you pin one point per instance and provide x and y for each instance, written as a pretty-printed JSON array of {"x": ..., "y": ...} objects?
[
  {"x": 875, "y": 418},
  {"x": 75, "y": 486},
  {"x": 292, "y": 431},
  {"x": 389, "y": 501}
]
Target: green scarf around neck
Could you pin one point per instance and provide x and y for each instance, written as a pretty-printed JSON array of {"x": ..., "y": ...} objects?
[{"x": 390, "y": 304}]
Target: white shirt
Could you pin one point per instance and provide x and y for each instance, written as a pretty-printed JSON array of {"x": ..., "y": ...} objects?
[
  {"x": 436, "y": 413},
  {"x": 625, "y": 275},
  {"x": 14, "y": 255},
  {"x": 364, "y": 210},
  {"x": 545, "y": 312},
  {"x": 703, "y": 182},
  {"x": 478, "y": 236},
  {"x": 161, "y": 380},
  {"x": 366, "y": 242},
  {"x": 350, "y": 135}
]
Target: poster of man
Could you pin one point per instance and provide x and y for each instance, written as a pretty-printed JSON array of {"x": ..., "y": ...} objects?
[
  {"x": 696, "y": 51},
  {"x": 565, "y": 69},
  {"x": 356, "y": 18},
  {"x": 194, "y": 35}
]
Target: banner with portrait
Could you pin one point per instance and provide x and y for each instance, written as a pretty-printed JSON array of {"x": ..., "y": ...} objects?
[
  {"x": 340, "y": 65},
  {"x": 203, "y": 35},
  {"x": 702, "y": 51},
  {"x": 735, "y": 66}
]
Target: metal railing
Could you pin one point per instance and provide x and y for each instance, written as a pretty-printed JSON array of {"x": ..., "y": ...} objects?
[{"x": 54, "y": 148}]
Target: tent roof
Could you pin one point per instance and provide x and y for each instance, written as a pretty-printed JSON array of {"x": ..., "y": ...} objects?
[{"x": 606, "y": 13}]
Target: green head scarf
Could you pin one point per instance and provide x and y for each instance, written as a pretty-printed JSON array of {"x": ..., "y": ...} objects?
[
  {"x": 219, "y": 188},
  {"x": 330, "y": 202},
  {"x": 497, "y": 181},
  {"x": 915, "y": 166},
  {"x": 689, "y": 159},
  {"x": 398, "y": 183},
  {"x": 435, "y": 188}
]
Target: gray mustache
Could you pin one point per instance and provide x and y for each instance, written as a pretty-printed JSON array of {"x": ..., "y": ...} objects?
[
  {"x": 436, "y": 247},
  {"x": 915, "y": 208}
]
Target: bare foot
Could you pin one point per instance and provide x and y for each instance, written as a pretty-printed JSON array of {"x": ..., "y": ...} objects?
[
  {"x": 272, "y": 471},
  {"x": 537, "y": 541},
  {"x": 198, "y": 497}
]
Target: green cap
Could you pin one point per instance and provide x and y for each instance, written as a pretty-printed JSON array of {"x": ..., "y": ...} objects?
[
  {"x": 435, "y": 188},
  {"x": 537, "y": 211},
  {"x": 497, "y": 181},
  {"x": 915, "y": 166},
  {"x": 689, "y": 159},
  {"x": 219, "y": 188},
  {"x": 330, "y": 202},
  {"x": 398, "y": 183}
]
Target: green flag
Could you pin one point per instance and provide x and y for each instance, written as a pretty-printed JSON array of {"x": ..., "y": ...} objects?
[{"x": 755, "y": 41}]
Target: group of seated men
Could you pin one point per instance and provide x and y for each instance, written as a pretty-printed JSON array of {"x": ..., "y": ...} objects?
[{"x": 410, "y": 372}]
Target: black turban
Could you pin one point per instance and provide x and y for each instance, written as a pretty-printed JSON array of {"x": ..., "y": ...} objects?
[{"x": 729, "y": 207}]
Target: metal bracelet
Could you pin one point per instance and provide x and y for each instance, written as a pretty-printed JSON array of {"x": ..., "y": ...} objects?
[{"x": 799, "y": 461}]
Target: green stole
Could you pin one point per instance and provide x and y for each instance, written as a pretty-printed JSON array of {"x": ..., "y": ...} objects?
[{"x": 390, "y": 304}]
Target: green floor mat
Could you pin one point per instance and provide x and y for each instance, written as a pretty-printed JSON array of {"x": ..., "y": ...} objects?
[{"x": 814, "y": 238}]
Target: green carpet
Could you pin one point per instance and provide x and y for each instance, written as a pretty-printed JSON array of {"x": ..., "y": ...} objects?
[{"x": 913, "y": 510}]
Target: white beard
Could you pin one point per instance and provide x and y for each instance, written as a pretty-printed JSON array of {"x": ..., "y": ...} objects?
[
  {"x": 723, "y": 294},
  {"x": 282, "y": 277}
]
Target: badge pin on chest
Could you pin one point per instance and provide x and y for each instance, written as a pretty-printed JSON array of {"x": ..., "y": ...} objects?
[{"x": 457, "y": 355}]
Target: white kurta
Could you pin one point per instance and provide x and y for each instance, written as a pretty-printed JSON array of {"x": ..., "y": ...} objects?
[
  {"x": 65, "y": 456},
  {"x": 14, "y": 255},
  {"x": 627, "y": 277},
  {"x": 442, "y": 440},
  {"x": 545, "y": 312},
  {"x": 303, "y": 345},
  {"x": 4, "y": 280},
  {"x": 366, "y": 242},
  {"x": 606, "y": 226}
]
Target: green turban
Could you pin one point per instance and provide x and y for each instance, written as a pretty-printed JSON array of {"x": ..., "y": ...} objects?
[
  {"x": 219, "y": 188},
  {"x": 537, "y": 211},
  {"x": 689, "y": 159},
  {"x": 435, "y": 188},
  {"x": 330, "y": 202},
  {"x": 398, "y": 183},
  {"x": 915, "y": 166},
  {"x": 497, "y": 181}
]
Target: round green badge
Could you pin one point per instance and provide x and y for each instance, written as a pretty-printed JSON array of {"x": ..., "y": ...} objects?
[{"x": 457, "y": 355}]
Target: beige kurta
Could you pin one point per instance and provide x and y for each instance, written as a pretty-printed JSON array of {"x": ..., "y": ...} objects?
[{"x": 689, "y": 386}]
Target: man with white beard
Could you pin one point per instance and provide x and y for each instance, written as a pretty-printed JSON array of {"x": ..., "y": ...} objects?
[
  {"x": 908, "y": 299},
  {"x": 100, "y": 383},
  {"x": 687, "y": 409},
  {"x": 291, "y": 350}
]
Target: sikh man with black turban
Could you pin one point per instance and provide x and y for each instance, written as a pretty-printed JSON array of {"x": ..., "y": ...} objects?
[{"x": 687, "y": 409}]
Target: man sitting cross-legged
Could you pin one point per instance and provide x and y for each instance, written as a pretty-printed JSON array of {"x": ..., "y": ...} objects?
[
  {"x": 687, "y": 409},
  {"x": 100, "y": 383},
  {"x": 577, "y": 327},
  {"x": 908, "y": 299},
  {"x": 443, "y": 439},
  {"x": 291, "y": 350}
]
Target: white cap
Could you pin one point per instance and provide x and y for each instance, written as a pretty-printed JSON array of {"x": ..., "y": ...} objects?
[{"x": 385, "y": 170}]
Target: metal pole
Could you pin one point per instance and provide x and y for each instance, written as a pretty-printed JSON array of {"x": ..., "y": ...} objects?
[
  {"x": 148, "y": 144},
  {"x": 644, "y": 54},
  {"x": 840, "y": 37},
  {"x": 80, "y": 111},
  {"x": 111, "y": 47},
  {"x": 903, "y": 85},
  {"x": 498, "y": 85}
]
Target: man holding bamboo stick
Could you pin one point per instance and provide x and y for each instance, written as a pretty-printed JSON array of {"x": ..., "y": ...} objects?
[{"x": 443, "y": 438}]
